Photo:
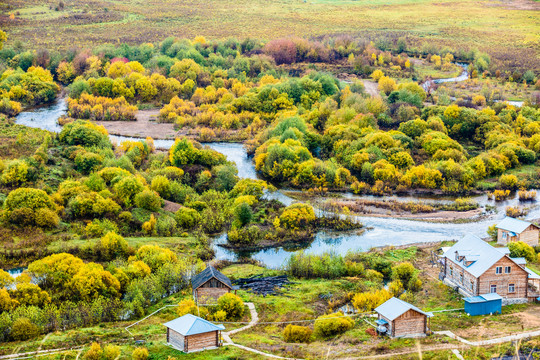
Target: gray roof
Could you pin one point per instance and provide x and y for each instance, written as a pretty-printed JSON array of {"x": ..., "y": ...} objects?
[
  {"x": 192, "y": 325},
  {"x": 472, "y": 248},
  {"x": 395, "y": 307},
  {"x": 519, "y": 260},
  {"x": 207, "y": 274},
  {"x": 514, "y": 225},
  {"x": 532, "y": 274}
]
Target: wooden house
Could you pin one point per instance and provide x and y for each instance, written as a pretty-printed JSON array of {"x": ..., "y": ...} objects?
[
  {"x": 475, "y": 267},
  {"x": 190, "y": 333},
  {"x": 510, "y": 230},
  {"x": 209, "y": 285},
  {"x": 397, "y": 318}
]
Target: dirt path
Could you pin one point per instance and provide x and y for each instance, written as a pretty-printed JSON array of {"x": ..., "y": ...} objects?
[
  {"x": 372, "y": 88},
  {"x": 144, "y": 126}
]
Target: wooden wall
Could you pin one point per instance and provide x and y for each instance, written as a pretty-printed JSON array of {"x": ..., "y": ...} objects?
[
  {"x": 202, "y": 341},
  {"x": 206, "y": 295},
  {"x": 529, "y": 236},
  {"x": 411, "y": 323},
  {"x": 176, "y": 340},
  {"x": 517, "y": 276}
]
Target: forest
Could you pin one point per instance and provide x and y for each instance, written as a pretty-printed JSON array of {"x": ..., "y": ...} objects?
[{"x": 106, "y": 232}]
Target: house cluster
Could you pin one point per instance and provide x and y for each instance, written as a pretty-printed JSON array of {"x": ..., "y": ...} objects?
[
  {"x": 487, "y": 276},
  {"x": 475, "y": 268}
]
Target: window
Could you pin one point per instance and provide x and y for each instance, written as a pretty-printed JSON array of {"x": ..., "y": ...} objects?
[
  {"x": 472, "y": 284},
  {"x": 493, "y": 289},
  {"x": 498, "y": 270},
  {"x": 451, "y": 272},
  {"x": 461, "y": 278},
  {"x": 505, "y": 235},
  {"x": 507, "y": 269},
  {"x": 511, "y": 288}
]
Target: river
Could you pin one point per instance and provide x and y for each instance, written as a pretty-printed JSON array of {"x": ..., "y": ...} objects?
[{"x": 381, "y": 231}]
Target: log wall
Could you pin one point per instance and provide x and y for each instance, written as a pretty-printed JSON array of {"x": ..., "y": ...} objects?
[
  {"x": 411, "y": 323},
  {"x": 202, "y": 341},
  {"x": 518, "y": 276}
]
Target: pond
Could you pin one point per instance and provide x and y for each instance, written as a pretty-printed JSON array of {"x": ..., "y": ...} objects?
[{"x": 381, "y": 231}]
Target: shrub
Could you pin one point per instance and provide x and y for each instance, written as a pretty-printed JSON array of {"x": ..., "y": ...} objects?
[
  {"x": 84, "y": 133},
  {"x": 508, "y": 181},
  {"x": 187, "y": 218},
  {"x": 368, "y": 301},
  {"x": 296, "y": 334},
  {"x": 332, "y": 324},
  {"x": 525, "y": 195},
  {"x": 15, "y": 173},
  {"x": 94, "y": 353},
  {"x": 113, "y": 245},
  {"x": 232, "y": 305},
  {"x": 98, "y": 228},
  {"x": 162, "y": 186},
  {"x": 187, "y": 306},
  {"x": 516, "y": 211},
  {"x": 219, "y": 315},
  {"x": 46, "y": 218},
  {"x": 149, "y": 200},
  {"x": 297, "y": 216},
  {"x": 23, "y": 329},
  {"x": 101, "y": 108},
  {"x": 521, "y": 249},
  {"x": 140, "y": 353},
  {"x": 86, "y": 162},
  {"x": 111, "y": 352}
]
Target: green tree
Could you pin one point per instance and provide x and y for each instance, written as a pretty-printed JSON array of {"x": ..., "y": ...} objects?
[
  {"x": 232, "y": 305},
  {"x": 521, "y": 249}
]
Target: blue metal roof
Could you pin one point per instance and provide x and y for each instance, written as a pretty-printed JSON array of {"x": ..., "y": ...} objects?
[
  {"x": 395, "y": 307},
  {"x": 381, "y": 322},
  {"x": 192, "y": 325},
  {"x": 515, "y": 225},
  {"x": 483, "y": 298}
]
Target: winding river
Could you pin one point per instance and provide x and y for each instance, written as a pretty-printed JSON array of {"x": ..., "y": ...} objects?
[{"x": 381, "y": 231}]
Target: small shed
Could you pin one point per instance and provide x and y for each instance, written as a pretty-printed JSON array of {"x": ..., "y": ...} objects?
[
  {"x": 191, "y": 333},
  {"x": 209, "y": 285},
  {"x": 483, "y": 304},
  {"x": 511, "y": 229},
  {"x": 397, "y": 318}
]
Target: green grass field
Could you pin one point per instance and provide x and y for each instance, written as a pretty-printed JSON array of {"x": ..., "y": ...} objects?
[{"x": 481, "y": 24}]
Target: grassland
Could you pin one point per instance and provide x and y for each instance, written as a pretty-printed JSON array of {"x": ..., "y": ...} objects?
[{"x": 478, "y": 24}]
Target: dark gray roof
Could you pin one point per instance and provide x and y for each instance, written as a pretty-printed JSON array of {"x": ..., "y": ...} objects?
[{"x": 207, "y": 274}]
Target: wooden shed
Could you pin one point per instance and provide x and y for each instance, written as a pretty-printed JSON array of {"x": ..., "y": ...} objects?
[
  {"x": 397, "y": 318},
  {"x": 510, "y": 230},
  {"x": 209, "y": 285},
  {"x": 190, "y": 333}
]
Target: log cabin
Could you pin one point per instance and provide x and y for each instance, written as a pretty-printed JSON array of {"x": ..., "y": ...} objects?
[
  {"x": 397, "y": 318},
  {"x": 209, "y": 285},
  {"x": 510, "y": 230},
  {"x": 190, "y": 333},
  {"x": 474, "y": 267}
]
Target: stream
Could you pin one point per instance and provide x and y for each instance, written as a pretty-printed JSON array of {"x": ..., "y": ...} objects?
[{"x": 382, "y": 231}]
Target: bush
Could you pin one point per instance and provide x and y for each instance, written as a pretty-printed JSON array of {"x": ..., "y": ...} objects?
[
  {"x": 521, "y": 249},
  {"x": 24, "y": 329},
  {"x": 187, "y": 218},
  {"x": 149, "y": 200},
  {"x": 98, "y": 228},
  {"x": 232, "y": 305},
  {"x": 508, "y": 181},
  {"x": 368, "y": 301},
  {"x": 94, "y": 353},
  {"x": 15, "y": 174},
  {"x": 296, "y": 334},
  {"x": 112, "y": 246},
  {"x": 84, "y": 133},
  {"x": 140, "y": 353},
  {"x": 111, "y": 352},
  {"x": 101, "y": 108},
  {"x": 297, "y": 216},
  {"x": 332, "y": 324}
]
